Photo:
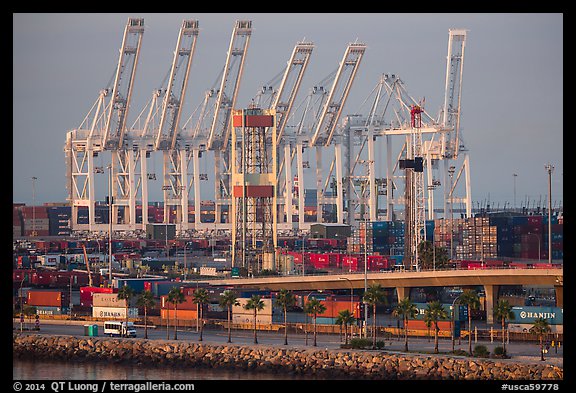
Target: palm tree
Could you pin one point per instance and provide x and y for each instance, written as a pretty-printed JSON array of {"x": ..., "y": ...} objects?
[
  {"x": 228, "y": 300},
  {"x": 345, "y": 317},
  {"x": 126, "y": 293},
  {"x": 435, "y": 312},
  {"x": 503, "y": 312},
  {"x": 200, "y": 297},
  {"x": 314, "y": 307},
  {"x": 176, "y": 296},
  {"x": 470, "y": 299},
  {"x": 407, "y": 310},
  {"x": 285, "y": 299},
  {"x": 431, "y": 256},
  {"x": 540, "y": 327},
  {"x": 255, "y": 303},
  {"x": 374, "y": 295},
  {"x": 146, "y": 300}
]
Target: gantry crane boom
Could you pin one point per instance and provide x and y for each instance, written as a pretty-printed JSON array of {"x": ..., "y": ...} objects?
[
  {"x": 453, "y": 90},
  {"x": 167, "y": 134},
  {"x": 220, "y": 129},
  {"x": 284, "y": 98},
  {"x": 113, "y": 136},
  {"x": 336, "y": 98}
]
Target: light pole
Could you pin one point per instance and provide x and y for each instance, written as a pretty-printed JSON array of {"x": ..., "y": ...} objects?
[
  {"x": 70, "y": 302},
  {"x": 515, "y": 176},
  {"x": 306, "y": 316},
  {"x": 364, "y": 321},
  {"x": 22, "y": 303},
  {"x": 110, "y": 216},
  {"x": 549, "y": 169},
  {"x": 34, "y": 178},
  {"x": 303, "y": 242},
  {"x": 451, "y": 174}
]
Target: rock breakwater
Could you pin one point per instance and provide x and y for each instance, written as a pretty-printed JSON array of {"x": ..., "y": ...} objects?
[{"x": 334, "y": 364}]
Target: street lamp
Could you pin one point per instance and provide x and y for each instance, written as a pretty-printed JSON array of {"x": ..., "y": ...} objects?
[
  {"x": 351, "y": 293},
  {"x": 306, "y": 317},
  {"x": 515, "y": 176},
  {"x": 22, "y": 303},
  {"x": 110, "y": 216},
  {"x": 452, "y": 320},
  {"x": 451, "y": 174},
  {"x": 303, "y": 242},
  {"x": 365, "y": 272},
  {"x": 34, "y": 178},
  {"x": 549, "y": 169}
]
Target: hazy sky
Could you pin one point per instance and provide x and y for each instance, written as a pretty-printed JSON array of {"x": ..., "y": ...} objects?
[{"x": 512, "y": 98}]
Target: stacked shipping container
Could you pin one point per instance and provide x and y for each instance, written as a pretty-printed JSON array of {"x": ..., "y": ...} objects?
[
  {"x": 48, "y": 302},
  {"x": 109, "y": 306},
  {"x": 35, "y": 219}
]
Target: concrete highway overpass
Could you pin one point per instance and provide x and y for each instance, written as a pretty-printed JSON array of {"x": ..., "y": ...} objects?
[{"x": 490, "y": 279}]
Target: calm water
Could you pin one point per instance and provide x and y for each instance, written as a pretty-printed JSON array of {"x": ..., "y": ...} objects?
[{"x": 58, "y": 370}]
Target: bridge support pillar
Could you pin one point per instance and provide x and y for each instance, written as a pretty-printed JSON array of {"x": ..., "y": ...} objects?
[
  {"x": 559, "y": 295},
  {"x": 402, "y": 292},
  {"x": 491, "y": 299}
]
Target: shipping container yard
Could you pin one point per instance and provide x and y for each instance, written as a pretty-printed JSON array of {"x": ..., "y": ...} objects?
[{"x": 49, "y": 272}]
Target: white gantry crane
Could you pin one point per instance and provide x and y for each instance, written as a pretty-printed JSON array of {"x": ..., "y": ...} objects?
[
  {"x": 218, "y": 139},
  {"x": 168, "y": 139},
  {"x": 427, "y": 141},
  {"x": 324, "y": 134},
  {"x": 282, "y": 102},
  {"x": 106, "y": 131},
  {"x": 357, "y": 187}
]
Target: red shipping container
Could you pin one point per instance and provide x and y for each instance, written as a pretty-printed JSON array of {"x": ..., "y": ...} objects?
[
  {"x": 494, "y": 263},
  {"x": 535, "y": 220},
  {"x": 350, "y": 263},
  {"x": 87, "y": 293}
]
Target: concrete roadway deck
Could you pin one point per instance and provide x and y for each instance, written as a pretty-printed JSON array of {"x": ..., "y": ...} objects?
[{"x": 490, "y": 279}]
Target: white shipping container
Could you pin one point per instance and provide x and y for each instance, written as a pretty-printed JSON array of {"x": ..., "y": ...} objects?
[
  {"x": 525, "y": 328},
  {"x": 267, "y": 310},
  {"x": 107, "y": 300},
  {"x": 247, "y": 318},
  {"x": 49, "y": 260},
  {"x": 114, "y": 312}
]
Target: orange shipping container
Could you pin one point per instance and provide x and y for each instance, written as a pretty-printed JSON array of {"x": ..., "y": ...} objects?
[
  {"x": 416, "y": 324},
  {"x": 183, "y": 315},
  {"x": 187, "y": 305},
  {"x": 44, "y": 298},
  {"x": 333, "y": 307}
]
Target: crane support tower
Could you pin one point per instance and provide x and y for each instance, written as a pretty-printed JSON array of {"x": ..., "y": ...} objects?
[
  {"x": 254, "y": 227},
  {"x": 218, "y": 138}
]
